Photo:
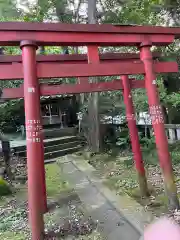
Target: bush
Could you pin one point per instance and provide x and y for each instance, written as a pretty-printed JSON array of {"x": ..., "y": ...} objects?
[
  {"x": 11, "y": 116},
  {"x": 4, "y": 188},
  {"x": 147, "y": 143}
]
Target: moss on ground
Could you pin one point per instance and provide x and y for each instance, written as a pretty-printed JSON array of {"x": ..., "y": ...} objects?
[
  {"x": 55, "y": 183},
  {"x": 93, "y": 236},
  {"x": 14, "y": 220},
  {"x": 67, "y": 204},
  {"x": 14, "y": 214},
  {"x": 5, "y": 188},
  {"x": 12, "y": 235}
]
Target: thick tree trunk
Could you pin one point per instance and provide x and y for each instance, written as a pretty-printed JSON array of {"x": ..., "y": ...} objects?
[
  {"x": 6, "y": 156},
  {"x": 94, "y": 130},
  {"x": 92, "y": 11},
  {"x": 5, "y": 167}
]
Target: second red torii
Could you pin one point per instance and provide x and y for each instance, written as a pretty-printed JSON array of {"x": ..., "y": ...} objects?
[
  {"x": 46, "y": 90},
  {"x": 12, "y": 66}
]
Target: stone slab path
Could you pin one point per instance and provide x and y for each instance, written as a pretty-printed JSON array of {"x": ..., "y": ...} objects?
[{"x": 112, "y": 224}]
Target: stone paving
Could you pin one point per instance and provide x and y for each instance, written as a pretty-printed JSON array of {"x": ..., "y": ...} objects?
[{"x": 112, "y": 224}]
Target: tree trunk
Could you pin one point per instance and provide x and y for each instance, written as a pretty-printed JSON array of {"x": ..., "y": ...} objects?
[
  {"x": 94, "y": 130},
  {"x": 92, "y": 11},
  {"x": 6, "y": 157}
]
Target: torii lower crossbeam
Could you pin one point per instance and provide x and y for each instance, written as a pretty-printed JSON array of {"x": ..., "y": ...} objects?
[
  {"x": 49, "y": 90},
  {"x": 55, "y": 70}
]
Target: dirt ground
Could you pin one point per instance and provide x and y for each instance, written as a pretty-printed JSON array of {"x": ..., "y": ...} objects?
[
  {"x": 66, "y": 219},
  {"x": 119, "y": 174}
]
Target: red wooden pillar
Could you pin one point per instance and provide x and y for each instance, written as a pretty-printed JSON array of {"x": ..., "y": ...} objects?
[
  {"x": 35, "y": 154},
  {"x": 136, "y": 149},
  {"x": 37, "y": 130},
  {"x": 158, "y": 125}
]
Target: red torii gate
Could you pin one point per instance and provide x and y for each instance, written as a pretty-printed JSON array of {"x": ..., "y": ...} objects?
[{"x": 29, "y": 35}]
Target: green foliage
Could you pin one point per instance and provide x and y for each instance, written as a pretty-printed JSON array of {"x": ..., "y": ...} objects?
[
  {"x": 8, "y": 9},
  {"x": 12, "y": 50},
  {"x": 131, "y": 12},
  {"x": 174, "y": 99},
  {"x": 11, "y": 115},
  {"x": 4, "y": 188},
  {"x": 123, "y": 141},
  {"x": 147, "y": 143},
  {"x": 126, "y": 184},
  {"x": 112, "y": 103},
  {"x": 7, "y": 235},
  {"x": 175, "y": 157},
  {"x": 140, "y": 100},
  {"x": 123, "y": 183},
  {"x": 13, "y": 219}
]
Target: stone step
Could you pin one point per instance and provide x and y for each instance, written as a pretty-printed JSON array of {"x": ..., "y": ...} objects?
[
  {"x": 48, "y": 142},
  {"x": 49, "y": 157},
  {"x": 60, "y": 153},
  {"x": 61, "y": 146},
  {"x": 55, "y": 147},
  {"x": 58, "y": 141}
]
